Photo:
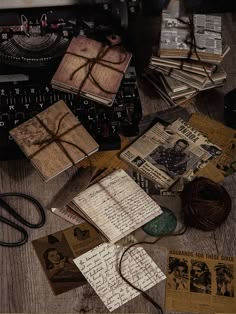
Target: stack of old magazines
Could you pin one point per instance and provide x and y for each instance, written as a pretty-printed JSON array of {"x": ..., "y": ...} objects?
[{"x": 188, "y": 58}]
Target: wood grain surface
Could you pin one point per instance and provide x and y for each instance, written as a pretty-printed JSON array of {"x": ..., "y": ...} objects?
[{"x": 24, "y": 287}]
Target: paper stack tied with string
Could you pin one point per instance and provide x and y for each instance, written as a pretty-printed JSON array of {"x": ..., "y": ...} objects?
[
  {"x": 54, "y": 140},
  {"x": 188, "y": 56},
  {"x": 92, "y": 70}
]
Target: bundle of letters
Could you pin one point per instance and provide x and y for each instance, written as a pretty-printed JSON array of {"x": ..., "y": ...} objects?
[{"x": 188, "y": 59}]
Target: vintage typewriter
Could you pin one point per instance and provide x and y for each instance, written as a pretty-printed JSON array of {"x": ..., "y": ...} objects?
[{"x": 32, "y": 43}]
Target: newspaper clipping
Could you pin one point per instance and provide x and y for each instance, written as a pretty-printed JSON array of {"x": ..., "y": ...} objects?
[
  {"x": 166, "y": 154},
  {"x": 175, "y": 33},
  {"x": 224, "y": 137},
  {"x": 205, "y": 280}
]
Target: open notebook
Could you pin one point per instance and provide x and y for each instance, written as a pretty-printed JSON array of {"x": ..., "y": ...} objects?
[{"x": 116, "y": 206}]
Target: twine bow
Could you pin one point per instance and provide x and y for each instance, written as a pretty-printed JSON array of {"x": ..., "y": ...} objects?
[
  {"x": 54, "y": 137},
  {"x": 91, "y": 62}
]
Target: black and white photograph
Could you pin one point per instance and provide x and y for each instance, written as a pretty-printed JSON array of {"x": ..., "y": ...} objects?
[
  {"x": 173, "y": 158},
  {"x": 224, "y": 280},
  {"x": 178, "y": 276},
  {"x": 200, "y": 277}
]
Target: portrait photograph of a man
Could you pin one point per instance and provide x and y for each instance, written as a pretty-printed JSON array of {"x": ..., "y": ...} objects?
[{"x": 174, "y": 160}]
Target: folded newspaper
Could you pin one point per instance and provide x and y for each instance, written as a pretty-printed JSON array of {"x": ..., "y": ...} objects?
[{"x": 165, "y": 154}]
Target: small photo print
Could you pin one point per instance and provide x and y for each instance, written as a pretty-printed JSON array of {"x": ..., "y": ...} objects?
[
  {"x": 138, "y": 161},
  {"x": 178, "y": 276},
  {"x": 57, "y": 251},
  {"x": 211, "y": 149},
  {"x": 56, "y": 259},
  {"x": 173, "y": 158},
  {"x": 200, "y": 277},
  {"x": 82, "y": 238},
  {"x": 224, "y": 274}
]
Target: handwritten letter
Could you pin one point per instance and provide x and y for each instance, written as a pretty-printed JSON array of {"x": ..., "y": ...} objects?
[
  {"x": 117, "y": 205},
  {"x": 99, "y": 267}
]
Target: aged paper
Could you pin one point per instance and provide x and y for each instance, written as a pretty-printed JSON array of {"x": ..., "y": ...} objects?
[
  {"x": 207, "y": 31},
  {"x": 205, "y": 280},
  {"x": 222, "y": 136},
  {"x": 67, "y": 214},
  {"x": 165, "y": 154},
  {"x": 99, "y": 267},
  {"x": 56, "y": 253},
  {"x": 49, "y": 156},
  {"x": 116, "y": 205}
]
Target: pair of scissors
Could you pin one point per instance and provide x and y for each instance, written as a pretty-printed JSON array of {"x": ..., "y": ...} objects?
[{"x": 18, "y": 217}]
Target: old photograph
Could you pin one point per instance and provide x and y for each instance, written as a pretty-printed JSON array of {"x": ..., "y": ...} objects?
[
  {"x": 224, "y": 279},
  {"x": 199, "y": 282},
  {"x": 56, "y": 259},
  {"x": 178, "y": 276},
  {"x": 200, "y": 277}
]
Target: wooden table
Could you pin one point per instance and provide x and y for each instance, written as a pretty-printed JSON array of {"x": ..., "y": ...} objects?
[{"x": 24, "y": 287}]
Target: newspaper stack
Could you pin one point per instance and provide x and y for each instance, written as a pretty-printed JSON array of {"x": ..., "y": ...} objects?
[{"x": 188, "y": 59}]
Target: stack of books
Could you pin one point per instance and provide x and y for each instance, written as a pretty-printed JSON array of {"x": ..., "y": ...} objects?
[{"x": 188, "y": 59}]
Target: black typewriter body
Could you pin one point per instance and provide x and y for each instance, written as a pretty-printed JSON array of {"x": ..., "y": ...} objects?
[{"x": 32, "y": 43}]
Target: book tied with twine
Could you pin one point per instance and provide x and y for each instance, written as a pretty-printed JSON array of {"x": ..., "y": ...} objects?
[
  {"x": 54, "y": 140},
  {"x": 197, "y": 37},
  {"x": 91, "y": 69}
]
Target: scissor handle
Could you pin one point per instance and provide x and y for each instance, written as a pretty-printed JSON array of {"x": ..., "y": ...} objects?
[
  {"x": 18, "y": 228},
  {"x": 13, "y": 213},
  {"x": 17, "y": 216}
]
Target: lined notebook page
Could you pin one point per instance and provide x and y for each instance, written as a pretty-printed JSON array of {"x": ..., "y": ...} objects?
[{"x": 117, "y": 205}]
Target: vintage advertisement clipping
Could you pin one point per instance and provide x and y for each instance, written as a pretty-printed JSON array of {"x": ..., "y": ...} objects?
[
  {"x": 224, "y": 137},
  {"x": 199, "y": 282},
  {"x": 165, "y": 154}
]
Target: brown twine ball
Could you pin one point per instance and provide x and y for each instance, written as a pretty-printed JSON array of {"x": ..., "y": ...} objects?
[{"x": 205, "y": 204}]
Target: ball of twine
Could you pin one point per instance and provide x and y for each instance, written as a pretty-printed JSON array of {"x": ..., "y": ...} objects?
[{"x": 205, "y": 204}]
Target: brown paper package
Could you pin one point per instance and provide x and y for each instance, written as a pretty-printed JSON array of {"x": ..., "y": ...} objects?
[{"x": 52, "y": 158}]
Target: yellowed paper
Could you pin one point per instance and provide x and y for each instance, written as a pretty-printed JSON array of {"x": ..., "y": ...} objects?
[
  {"x": 165, "y": 154},
  {"x": 206, "y": 281},
  {"x": 99, "y": 267},
  {"x": 220, "y": 135},
  {"x": 81, "y": 238},
  {"x": 117, "y": 205}
]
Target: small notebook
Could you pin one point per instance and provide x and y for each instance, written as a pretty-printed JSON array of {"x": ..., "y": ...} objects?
[
  {"x": 116, "y": 206},
  {"x": 103, "y": 82},
  {"x": 51, "y": 157}
]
